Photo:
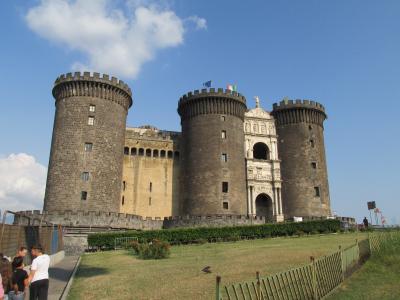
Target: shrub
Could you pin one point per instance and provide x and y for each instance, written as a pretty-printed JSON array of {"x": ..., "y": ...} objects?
[
  {"x": 214, "y": 234},
  {"x": 155, "y": 249}
]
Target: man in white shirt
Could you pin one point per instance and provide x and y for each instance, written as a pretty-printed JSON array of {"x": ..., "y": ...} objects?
[{"x": 39, "y": 275}]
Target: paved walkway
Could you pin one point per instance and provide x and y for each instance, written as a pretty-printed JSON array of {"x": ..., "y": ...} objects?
[{"x": 59, "y": 276}]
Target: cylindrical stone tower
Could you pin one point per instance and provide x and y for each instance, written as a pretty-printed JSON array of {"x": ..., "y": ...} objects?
[
  {"x": 305, "y": 190},
  {"x": 85, "y": 168},
  {"x": 213, "y": 161}
]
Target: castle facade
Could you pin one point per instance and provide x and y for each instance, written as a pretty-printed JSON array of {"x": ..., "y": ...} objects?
[{"x": 228, "y": 159}]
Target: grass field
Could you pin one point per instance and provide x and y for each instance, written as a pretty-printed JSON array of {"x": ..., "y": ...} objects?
[
  {"x": 379, "y": 278},
  {"x": 120, "y": 275}
]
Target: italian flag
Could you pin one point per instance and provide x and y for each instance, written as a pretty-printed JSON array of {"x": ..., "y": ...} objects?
[{"x": 232, "y": 87}]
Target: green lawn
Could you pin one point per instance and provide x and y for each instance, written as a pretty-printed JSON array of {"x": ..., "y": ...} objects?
[
  {"x": 119, "y": 275},
  {"x": 379, "y": 278}
]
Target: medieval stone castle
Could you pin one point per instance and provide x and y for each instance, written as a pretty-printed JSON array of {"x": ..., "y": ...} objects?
[{"x": 228, "y": 160}]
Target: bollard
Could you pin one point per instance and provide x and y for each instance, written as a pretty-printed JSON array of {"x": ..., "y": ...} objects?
[{"x": 258, "y": 285}]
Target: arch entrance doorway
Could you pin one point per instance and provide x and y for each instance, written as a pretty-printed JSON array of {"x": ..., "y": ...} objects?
[{"x": 264, "y": 206}]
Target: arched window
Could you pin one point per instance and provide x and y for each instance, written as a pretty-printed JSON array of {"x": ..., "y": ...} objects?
[
  {"x": 141, "y": 151},
  {"x": 148, "y": 152},
  {"x": 133, "y": 151},
  {"x": 260, "y": 151},
  {"x": 126, "y": 150},
  {"x": 155, "y": 153},
  {"x": 170, "y": 154},
  {"x": 162, "y": 153}
]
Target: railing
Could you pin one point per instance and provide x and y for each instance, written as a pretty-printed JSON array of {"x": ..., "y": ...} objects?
[
  {"x": 123, "y": 242},
  {"x": 315, "y": 280}
]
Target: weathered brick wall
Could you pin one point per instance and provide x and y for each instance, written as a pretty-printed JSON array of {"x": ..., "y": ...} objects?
[{"x": 68, "y": 158}]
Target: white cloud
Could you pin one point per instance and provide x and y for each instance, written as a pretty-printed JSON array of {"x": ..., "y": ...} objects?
[
  {"x": 22, "y": 182},
  {"x": 200, "y": 23},
  {"x": 114, "y": 41}
]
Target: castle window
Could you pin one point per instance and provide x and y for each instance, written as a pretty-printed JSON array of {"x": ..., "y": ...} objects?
[
  {"x": 155, "y": 153},
  {"x": 124, "y": 185},
  {"x": 149, "y": 201},
  {"x": 224, "y": 187},
  {"x": 92, "y": 108},
  {"x": 225, "y": 205},
  {"x": 223, "y": 134},
  {"x": 123, "y": 200},
  {"x": 162, "y": 153},
  {"x": 314, "y": 165},
  {"x": 312, "y": 143},
  {"x": 223, "y": 118},
  {"x": 126, "y": 150},
  {"x": 85, "y": 176},
  {"x": 317, "y": 191},
  {"x": 148, "y": 152},
  {"x": 151, "y": 187},
  {"x": 141, "y": 151},
  {"x": 84, "y": 195},
  {"x": 309, "y": 127},
  {"x": 91, "y": 121},
  {"x": 88, "y": 147},
  {"x": 170, "y": 154},
  {"x": 176, "y": 154},
  {"x": 133, "y": 151},
  {"x": 260, "y": 151},
  {"x": 224, "y": 157}
]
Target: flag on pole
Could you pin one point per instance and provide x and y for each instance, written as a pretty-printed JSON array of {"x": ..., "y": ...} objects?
[
  {"x": 232, "y": 87},
  {"x": 207, "y": 83}
]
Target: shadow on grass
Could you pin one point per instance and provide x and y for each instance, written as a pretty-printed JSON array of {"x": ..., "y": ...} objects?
[{"x": 86, "y": 271}]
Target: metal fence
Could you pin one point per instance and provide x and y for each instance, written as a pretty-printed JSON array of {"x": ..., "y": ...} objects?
[
  {"x": 315, "y": 280},
  {"x": 123, "y": 242}
]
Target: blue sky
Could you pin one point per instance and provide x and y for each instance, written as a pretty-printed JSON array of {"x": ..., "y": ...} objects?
[{"x": 344, "y": 54}]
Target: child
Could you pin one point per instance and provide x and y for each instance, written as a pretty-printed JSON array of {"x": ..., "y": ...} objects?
[{"x": 19, "y": 280}]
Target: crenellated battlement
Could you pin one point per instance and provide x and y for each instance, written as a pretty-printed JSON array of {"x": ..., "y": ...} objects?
[
  {"x": 153, "y": 133},
  {"x": 212, "y": 92},
  {"x": 212, "y": 101},
  {"x": 298, "y": 103},
  {"x": 92, "y": 85},
  {"x": 299, "y": 111},
  {"x": 97, "y": 77}
]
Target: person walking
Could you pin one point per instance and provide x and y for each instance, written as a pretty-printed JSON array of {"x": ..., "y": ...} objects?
[
  {"x": 39, "y": 275},
  {"x": 365, "y": 221},
  {"x": 19, "y": 280}
]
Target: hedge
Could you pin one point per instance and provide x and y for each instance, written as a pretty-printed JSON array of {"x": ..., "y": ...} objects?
[{"x": 212, "y": 234}]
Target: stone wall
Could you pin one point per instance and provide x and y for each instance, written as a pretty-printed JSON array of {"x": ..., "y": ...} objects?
[
  {"x": 151, "y": 173},
  {"x": 302, "y": 152},
  {"x": 204, "y": 116},
  {"x": 81, "y": 97}
]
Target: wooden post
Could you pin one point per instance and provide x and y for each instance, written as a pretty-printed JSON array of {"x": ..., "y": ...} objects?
[
  {"x": 341, "y": 261},
  {"x": 314, "y": 278},
  {"x": 258, "y": 285},
  {"x": 217, "y": 289},
  {"x": 358, "y": 252}
]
